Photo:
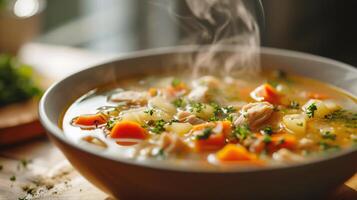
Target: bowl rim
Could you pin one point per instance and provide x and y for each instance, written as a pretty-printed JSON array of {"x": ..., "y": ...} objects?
[{"x": 53, "y": 129}]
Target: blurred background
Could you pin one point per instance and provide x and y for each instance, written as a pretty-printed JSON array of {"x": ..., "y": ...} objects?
[{"x": 323, "y": 27}]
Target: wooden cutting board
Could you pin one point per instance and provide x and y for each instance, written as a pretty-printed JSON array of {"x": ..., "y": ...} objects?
[{"x": 19, "y": 122}]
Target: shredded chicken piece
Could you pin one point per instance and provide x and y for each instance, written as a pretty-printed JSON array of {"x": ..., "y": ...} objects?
[
  {"x": 254, "y": 114},
  {"x": 130, "y": 97},
  {"x": 204, "y": 89},
  {"x": 185, "y": 116},
  {"x": 172, "y": 143},
  {"x": 284, "y": 155}
]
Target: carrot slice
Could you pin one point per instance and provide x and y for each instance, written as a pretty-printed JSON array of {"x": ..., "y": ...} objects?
[
  {"x": 128, "y": 130},
  {"x": 216, "y": 140},
  {"x": 90, "y": 120},
  {"x": 232, "y": 152},
  {"x": 267, "y": 93},
  {"x": 282, "y": 141}
]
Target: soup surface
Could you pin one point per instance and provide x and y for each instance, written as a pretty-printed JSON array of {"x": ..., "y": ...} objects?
[{"x": 273, "y": 119}]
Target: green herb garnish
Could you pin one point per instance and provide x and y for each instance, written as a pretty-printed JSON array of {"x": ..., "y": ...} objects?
[
  {"x": 175, "y": 82},
  {"x": 267, "y": 130},
  {"x": 267, "y": 139},
  {"x": 205, "y": 134},
  {"x": 110, "y": 124},
  {"x": 326, "y": 146},
  {"x": 149, "y": 111},
  {"x": 179, "y": 102},
  {"x": 328, "y": 135},
  {"x": 16, "y": 81},
  {"x": 310, "y": 110},
  {"x": 241, "y": 132},
  {"x": 158, "y": 126},
  {"x": 196, "y": 107},
  {"x": 13, "y": 178},
  {"x": 349, "y": 119}
]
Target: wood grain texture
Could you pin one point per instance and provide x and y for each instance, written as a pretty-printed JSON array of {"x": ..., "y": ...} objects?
[{"x": 52, "y": 169}]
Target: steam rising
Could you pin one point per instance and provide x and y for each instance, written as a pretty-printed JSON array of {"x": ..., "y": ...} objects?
[{"x": 223, "y": 25}]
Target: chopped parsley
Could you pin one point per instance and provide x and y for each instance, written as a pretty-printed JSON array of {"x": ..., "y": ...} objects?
[
  {"x": 196, "y": 107},
  {"x": 222, "y": 112},
  {"x": 13, "y": 178},
  {"x": 110, "y": 124},
  {"x": 150, "y": 111},
  {"x": 175, "y": 82},
  {"x": 328, "y": 135},
  {"x": 158, "y": 126},
  {"x": 160, "y": 153},
  {"x": 294, "y": 105},
  {"x": 326, "y": 146},
  {"x": 267, "y": 130},
  {"x": 310, "y": 110},
  {"x": 267, "y": 139},
  {"x": 206, "y": 133},
  {"x": 349, "y": 119},
  {"x": 241, "y": 132},
  {"x": 179, "y": 102},
  {"x": 274, "y": 84}
]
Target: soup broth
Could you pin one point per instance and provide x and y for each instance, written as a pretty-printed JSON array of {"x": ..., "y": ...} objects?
[{"x": 274, "y": 119}]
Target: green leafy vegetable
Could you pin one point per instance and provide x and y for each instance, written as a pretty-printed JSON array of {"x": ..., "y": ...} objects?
[
  {"x": 175, "y": 82},
  {"x": 310, "y": 110},
  {"x": 179, "y": 102},
  {"x": 205, "y": 134},
  {"x": 197, "y": 107},
  {"x": 267, "y": 130},
  {"x": 158, "y": 126},
  {"x": 242, "y": 132},
  {"x": 13, "y": 178},
  {"x": 349, "y": 119},
  {"x": 267, "y": 139},
  {"x": 16, "y": 81},
  {"x": 328, "y": 135},
  {"x": 149, "y": 111}
]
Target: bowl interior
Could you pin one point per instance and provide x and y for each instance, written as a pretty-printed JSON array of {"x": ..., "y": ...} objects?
[{"x": 62, "y": 94}]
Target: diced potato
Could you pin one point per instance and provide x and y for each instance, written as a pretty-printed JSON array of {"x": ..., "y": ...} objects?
[
  {"x": 162, "y": 104},
  {"x": 206, "y": 112},
  {"x": 332, "y": 106},
  {"x": 321, "y": 108},
  {"x": 141, "y": 115},
  {"x": 179, "y": 128},
  {"x": 295, "y": 123}
]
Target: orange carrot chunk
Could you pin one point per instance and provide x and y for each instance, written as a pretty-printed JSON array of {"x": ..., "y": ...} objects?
[
  {"x": 207, "y": 139},
  {"x": 214, "y": 142},
  {"x": 128, "y": 130},
  {"x": 232, "y": 152},
  {"x": 267, "y": 93},
  {"x": 90, "y": 120},
  {"x": 282, "y": 141}
]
